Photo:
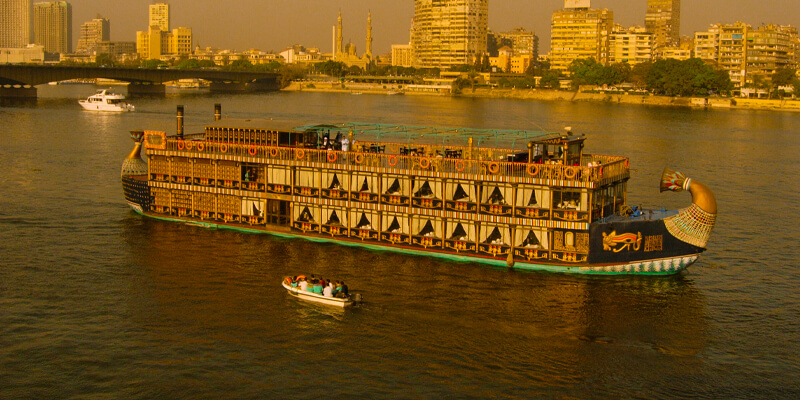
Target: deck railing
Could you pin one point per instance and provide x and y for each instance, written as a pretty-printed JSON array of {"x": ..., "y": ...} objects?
[{"x": 602, "y": 167}]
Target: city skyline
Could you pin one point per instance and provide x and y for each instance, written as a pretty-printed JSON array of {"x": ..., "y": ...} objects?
[{"x": 256, "y": 24}]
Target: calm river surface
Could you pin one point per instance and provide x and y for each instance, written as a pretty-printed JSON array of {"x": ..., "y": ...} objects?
[{"x": 97, "y": 302}]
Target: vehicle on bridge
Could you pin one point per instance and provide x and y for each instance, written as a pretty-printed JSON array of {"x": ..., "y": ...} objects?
[{"x": 104, "y": 100}]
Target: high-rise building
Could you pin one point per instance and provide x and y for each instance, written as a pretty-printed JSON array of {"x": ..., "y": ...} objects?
[
  {"x": 706, "y": 44},
  {"x": 402, "y": 55},
  {"x": 733, "y": 51},
  {"x": 158, "y": 40},
  {"x": 15, "y": 23},
  {"x": 159, "y": 16},
  {"x": 633, "y": 45},
  {"x": 52, "y": 26},
  {"x": 449, "y": 33},
  {"x": 93, "y": 32},
  {"x": 579, "y": 32},
  {"x": 663, "y": 20},
  {"x": 769, "y": 48},
  {"x": 521, "y": 42}
]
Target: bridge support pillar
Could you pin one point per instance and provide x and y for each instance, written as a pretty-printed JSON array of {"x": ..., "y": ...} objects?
[
  {"x": 146, "y": 89},
  {"x": 18, "y": 91}
]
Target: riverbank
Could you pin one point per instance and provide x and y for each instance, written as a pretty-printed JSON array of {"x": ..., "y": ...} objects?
[{"x": 562, "y": 95}]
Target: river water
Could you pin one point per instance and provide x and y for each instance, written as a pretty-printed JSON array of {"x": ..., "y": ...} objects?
[{"x": 97, "y": 302}]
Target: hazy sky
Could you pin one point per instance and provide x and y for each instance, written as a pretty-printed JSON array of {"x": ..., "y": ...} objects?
[{"x": 276, "y": 24}]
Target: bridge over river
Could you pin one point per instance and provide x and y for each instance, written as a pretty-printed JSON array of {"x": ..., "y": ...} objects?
[{"x": 20, "y": 80}]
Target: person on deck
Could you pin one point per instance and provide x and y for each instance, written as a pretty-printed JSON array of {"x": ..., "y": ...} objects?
[{"x": 328, "y": 291}]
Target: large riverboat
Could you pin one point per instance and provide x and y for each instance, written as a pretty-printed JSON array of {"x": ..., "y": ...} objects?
[{"x": 527, "y": 200}]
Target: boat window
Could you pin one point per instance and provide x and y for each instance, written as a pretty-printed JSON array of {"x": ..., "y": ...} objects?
[
  {"x": 394, "y": 189},
  {"x": 424, "y": 190},
  {"x": 306, "y": 216},
  {"x": 364, "y": 222},
  {"x": 460, "y": 194},
  {"x": 494, "y": 237},
  {"x": 496, "y": 197},
  {"x": 335, "y": 185},
  {"x": 531, "y": 238},
  {"x": 459, "y": 233},
  {"x": 333, "y": 219},
  {"x": 427, "y": 230},
  {"x": 569, "y": 200},
  {"x": 252, "y": 207},
  {"x": 394, "y": 227}
]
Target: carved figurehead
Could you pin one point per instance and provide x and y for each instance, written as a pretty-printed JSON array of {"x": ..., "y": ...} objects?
[
  {"x": 133, "y": 164},
  {"x": 693, "y": 224}
]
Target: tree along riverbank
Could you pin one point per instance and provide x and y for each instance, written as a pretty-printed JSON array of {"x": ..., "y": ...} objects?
[{"x": 562, "y": 95}]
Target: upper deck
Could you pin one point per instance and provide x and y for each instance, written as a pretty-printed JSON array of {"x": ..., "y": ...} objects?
[{"x": 489, "y": 155}]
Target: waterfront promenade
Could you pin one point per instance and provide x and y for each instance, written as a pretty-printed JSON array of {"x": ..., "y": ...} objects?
[{"x": 566, "y": 95}]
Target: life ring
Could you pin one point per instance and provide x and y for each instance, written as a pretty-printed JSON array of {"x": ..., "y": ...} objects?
[
  {"x": 533, "y": 169},
  {"x": 494, "y": 167},
  {"x": 570, "y": 172},
  {"x": 273, "y": 152},
  {"x": 392, "y": 161},
  {"x": 460, "y": 165},
  {"x": 424, "y": 162},
  {"x": 331, "y": 156},
  {"x": 223, "y": 148},
  {"x": 181, "y": 145},
  {"x": 252, "y": 150},
  {"x": 188, "y": 145},
  {"x": 288, "y": 280},
  {"x": 359, "y": 158},
  {"x": 200, "y": 146},
  {"x": 300, "y": 153}
]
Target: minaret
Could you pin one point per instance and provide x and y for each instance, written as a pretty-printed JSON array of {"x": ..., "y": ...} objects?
[
  {"x": 368, "y": 53},
  {"x": 339, "y": 36}
]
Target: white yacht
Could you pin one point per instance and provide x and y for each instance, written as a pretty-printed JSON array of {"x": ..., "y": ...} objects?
[{"x": 104, "y": 100}]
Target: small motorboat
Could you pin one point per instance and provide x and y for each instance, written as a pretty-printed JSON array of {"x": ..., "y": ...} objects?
[
  {"x": 104, "y": 100},
  {"x": 346, "y": 301}
]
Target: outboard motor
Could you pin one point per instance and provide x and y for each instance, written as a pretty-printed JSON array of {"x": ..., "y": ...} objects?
[{"x": 356, "y": 298}]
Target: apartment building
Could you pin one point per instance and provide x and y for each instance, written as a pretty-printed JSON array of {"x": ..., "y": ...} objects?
[
  {"x": 52, "y": 26},
  {"x": 15, "y": 23},
  {"x": 633, "y": 45},
  {"x": 663, "y": 20},
  {"x": 445, "y": 34},
  {"x": 579, "y": 32}
]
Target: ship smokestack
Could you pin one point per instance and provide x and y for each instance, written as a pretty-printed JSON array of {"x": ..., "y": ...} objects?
[
  {"x": 180, "y": 122},
  {"x": 693, "y": 224},
  {"x": 217, "y": 112}
]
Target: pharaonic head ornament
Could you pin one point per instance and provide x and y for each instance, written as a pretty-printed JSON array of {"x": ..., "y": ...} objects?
[
  {"x": 692, "y": 224},
  {"x": 133, "y": 164}
]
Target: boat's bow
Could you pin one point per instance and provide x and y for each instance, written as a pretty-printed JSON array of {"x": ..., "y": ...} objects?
[{"x": 693, "y": 224}]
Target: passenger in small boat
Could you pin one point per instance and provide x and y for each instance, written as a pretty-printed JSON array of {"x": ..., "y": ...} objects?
[
  {"x": 303, "y": 284},
  {"x": 294, "y": 282},
  {"x": 343, "y": 291},
  {"x": 328, "y": 290},
  {"x": 317, "y": 287}
]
